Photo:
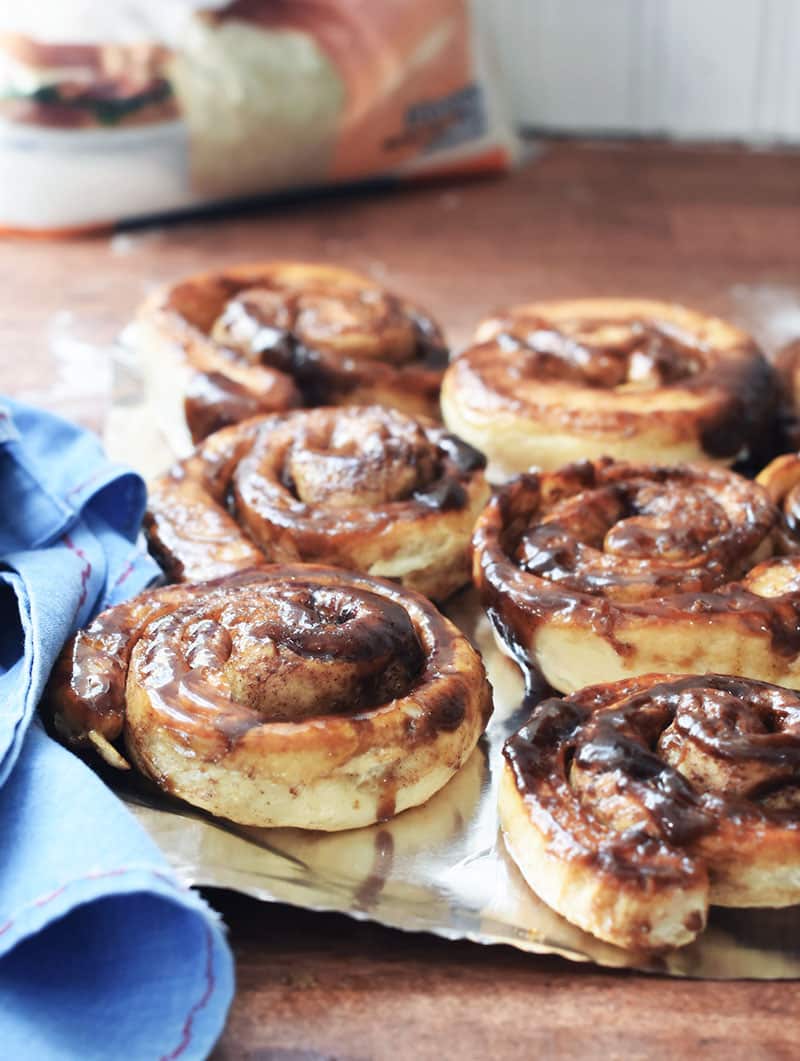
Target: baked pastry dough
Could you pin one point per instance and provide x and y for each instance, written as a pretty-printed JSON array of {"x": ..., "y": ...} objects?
[
  {"x": 605, "y": 570},
  {"x": 290, "y": 695},
  {"x": 553, "y": 382},
  {"x": 264, "y": 338},
  {"x": 362, "y": 488},
  {"x": 630, "y": 807}
]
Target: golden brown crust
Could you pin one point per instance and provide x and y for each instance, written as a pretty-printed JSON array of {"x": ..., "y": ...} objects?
[
  {"x": 646, "y": 799},
  {"x": 290, "y": 695},
  {"x": 265, "y": 338},
  {"x": 362, "y": 488},
  {"x": 608, "y": 569},
  {"x": 552, "y": 382}
]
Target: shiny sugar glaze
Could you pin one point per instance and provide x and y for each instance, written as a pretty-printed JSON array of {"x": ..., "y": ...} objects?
[
  {"x": 626, "y": 373},
  {"x": 272, "y": 645},
  {"x": 340, "y": 485},
  {"x": 267, "y": 338},
  {"x": 601, "y": 544},
  {"x": 654, "y": 765}
]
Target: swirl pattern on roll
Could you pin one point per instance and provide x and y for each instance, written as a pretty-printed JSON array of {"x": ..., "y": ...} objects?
[
  {"x": 265, "y": 338},
  {"x": 631, "y": 806},
  {"x": 553, "y": 382},
  {"x": 291, "y": 695},
  {"x": 608, "y": 569},
  {"x": 362, "y": 488}
]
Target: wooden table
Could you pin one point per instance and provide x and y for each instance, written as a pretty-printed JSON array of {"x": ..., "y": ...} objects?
[{"x": 716, "y": 228}]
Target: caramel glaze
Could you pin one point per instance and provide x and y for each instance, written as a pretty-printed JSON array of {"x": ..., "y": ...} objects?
[
  {"x": 265, "y": 648},
  {"x": 214, "y": 401},
  {"x": 633, "y": 777},
  {"x": 602, "y": 543},
  {"x": 644, "y": 355},
  {"x": 368, "y": 892},
  {"x": 267, "y": 338},
  {"x": 311, "y": 485},
  {"x": 86, "y": 689}
]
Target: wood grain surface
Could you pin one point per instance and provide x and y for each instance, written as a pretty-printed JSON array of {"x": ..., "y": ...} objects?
[
  {"x": 715, "y": 228},
  {"x": 314, "y": 986}
]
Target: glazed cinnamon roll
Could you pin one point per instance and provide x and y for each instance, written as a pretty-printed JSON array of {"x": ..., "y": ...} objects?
[
  {"x": 264, "y": 338},
  {"x": 605, "y": 570},
  {"x": 553, "y": 382},
  {"x": 290, "y": 695},
  {"x": 787, "y": 365},
  {"x": 630, "y": 807},
  {"x": 362, "y": 488},
  {"x": 781, "y": 480}
]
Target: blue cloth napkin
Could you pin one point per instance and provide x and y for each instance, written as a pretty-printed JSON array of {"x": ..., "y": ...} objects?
[{"x": 103, "y": 953}]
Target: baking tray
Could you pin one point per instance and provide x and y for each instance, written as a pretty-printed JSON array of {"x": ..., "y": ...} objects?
[{"x": 442, "y": 867}]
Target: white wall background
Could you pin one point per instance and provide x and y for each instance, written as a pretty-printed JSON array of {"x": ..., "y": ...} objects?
[{"x": 723, "y": 69}]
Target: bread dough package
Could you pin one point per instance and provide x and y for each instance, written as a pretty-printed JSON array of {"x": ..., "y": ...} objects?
[{"x": 116, "y": 112}]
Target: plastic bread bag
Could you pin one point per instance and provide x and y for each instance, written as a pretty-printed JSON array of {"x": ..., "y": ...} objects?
[{"x": 113, "y": 112}]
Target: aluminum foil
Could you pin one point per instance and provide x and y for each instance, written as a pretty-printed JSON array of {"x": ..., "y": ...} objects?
[{"x": 442, "y": 867}]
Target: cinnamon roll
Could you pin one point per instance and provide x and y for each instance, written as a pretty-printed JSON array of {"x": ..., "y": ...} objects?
[
  {"x": 787, "y": 365},
  {"x": 265, "y": 338},
  {"x": 362, "y": 488},
  {"x": 781, "y": 480},
  {"x": 605, "y": 570},
  {"x": 288, "y": 695},
  {"x": 630, "y": 807},
  {"x": 553, "y": 382}
]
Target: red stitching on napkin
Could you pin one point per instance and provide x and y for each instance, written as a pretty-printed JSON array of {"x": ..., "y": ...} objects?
[
  {"x": 43, "y": 900},
  {"x": 125, "y": 574},
  {"x": 202, "y": 1002},
  {"x": 86, "y": 571},
  {"x": 86, "y": 482},
  {"x": 128, "y": 571}
]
